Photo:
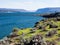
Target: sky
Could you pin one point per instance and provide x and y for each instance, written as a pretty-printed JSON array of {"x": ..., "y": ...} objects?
[{"x": 29, "y": 4}]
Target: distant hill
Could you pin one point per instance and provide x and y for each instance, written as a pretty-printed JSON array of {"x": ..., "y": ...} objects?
[
  {"x": 48, "y": 10},
  {"x": 5, "y": 10}
]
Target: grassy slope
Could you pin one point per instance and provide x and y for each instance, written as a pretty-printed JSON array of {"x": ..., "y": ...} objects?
[{"x": 28, "y": 34}]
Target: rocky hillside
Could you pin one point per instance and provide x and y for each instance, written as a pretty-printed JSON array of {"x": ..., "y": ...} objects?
[
  {"x": 45, "y": 32},
  {"x": 49, "y": 10},
  {"x": 50, "y": 15}
]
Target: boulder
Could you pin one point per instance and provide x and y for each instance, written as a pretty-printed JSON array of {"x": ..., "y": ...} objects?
[
  {"x": 58, "y": 18},
  {"x": 51, "y": 33},
  {"x": 51, "y": 43},
  {"x": 53, "y": 26},
  {"x": 58, "y": 39},
  {"x": 33, "y": 30}
]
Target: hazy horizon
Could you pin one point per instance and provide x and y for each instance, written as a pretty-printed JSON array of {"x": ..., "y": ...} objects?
[{"x": 29, "y": 4}]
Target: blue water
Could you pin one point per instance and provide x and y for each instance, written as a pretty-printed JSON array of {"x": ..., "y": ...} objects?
[{"x": 16, "y": 20}]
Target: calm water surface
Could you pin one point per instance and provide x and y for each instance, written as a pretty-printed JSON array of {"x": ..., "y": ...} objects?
[{"x": 9, "y": 21}]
